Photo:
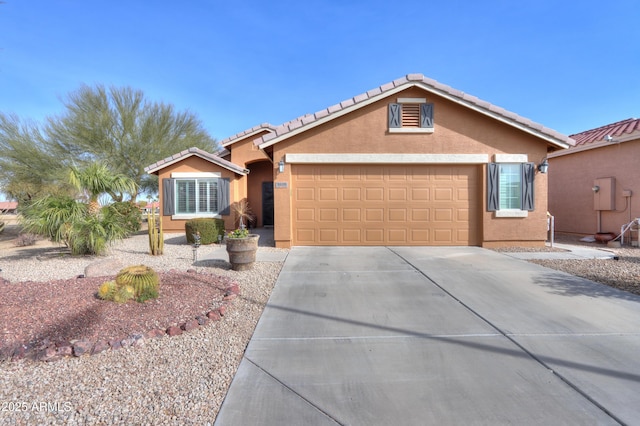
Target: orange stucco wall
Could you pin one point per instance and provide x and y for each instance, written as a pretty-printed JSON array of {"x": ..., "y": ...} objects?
[
  {"x": 195, "y": 164},
  {"x": 458, "y": 130},
  {"x": 571, "y": 177}
]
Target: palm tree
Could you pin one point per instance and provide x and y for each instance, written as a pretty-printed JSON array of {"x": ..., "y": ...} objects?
[
  {"x": 95, "y": 180},
  {"x": 84, "y": 227}
]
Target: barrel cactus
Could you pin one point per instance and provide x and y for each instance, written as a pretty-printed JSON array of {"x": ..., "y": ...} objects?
[
  {"x": 107, "y": 290},
  {"x": 137, "y": 282},
  {"x": 142, "y": 279}
]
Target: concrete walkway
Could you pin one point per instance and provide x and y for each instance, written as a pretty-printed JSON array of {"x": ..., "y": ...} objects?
[{"x": 436, "y": 336}]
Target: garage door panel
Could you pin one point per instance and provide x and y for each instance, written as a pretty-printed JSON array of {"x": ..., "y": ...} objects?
[
  {"x": 385, "y": 205},
  {"x": 374, "y": 194},
  {"x": 305, "y": 215},
  {"x": 351, "y": 215}
]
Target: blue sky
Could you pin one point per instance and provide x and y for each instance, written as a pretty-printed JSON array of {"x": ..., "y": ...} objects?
[{"x": 570, "y": 66}]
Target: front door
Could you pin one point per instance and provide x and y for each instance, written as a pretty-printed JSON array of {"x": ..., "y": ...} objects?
[{"x": 267, "y": 203}]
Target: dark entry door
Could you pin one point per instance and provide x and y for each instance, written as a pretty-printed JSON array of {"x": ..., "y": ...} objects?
[{"x": 267, "y": 203}]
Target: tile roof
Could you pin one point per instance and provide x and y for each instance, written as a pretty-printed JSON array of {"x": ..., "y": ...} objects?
[
  {"x": 308, "y": 121},
  {"x": 252, "y": 131},
  {"x": 619, "y": 129},
  {"x": 197, "y": 152},
  {"x": 8, "y": 205}
]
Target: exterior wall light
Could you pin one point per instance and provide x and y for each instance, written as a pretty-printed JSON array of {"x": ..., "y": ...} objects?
[
  {"x": 595, "y": 188},
  {"x": 281, "y": 166},
  {"x": 544, "y": 166}
]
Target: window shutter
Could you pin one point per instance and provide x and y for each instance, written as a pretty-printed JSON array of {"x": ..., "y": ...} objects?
[
  {"x": 528, "y": 174},
  {"x": 168, "y": 197},
  {"x": 395, "y": 113},
  {"x": 493, "y": 188},
  {"x": 223, "y": 197},
  {"x": 426, "y": 115}
]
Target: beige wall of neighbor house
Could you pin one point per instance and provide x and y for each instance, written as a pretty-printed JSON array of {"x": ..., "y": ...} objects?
[
  {"x": 458, "y": 131},
  {"x": 572, "y": 176},
  {"x": 195, "y": 164}
]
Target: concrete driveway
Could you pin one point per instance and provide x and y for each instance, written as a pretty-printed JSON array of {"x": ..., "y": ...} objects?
[{"x": 434, "y": 336}]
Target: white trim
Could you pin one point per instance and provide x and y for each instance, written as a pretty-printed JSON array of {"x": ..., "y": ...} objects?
[
  {"x": 188, "y": 216},
  {"x": 512, "y": 213},
  {"x": 410, "y": 129},
  {"x": 195, "y": 175},
  {"x": 412, "y": 100},
  {"x": 511, "y": 158},
  {"x": 387, "y": 158}
]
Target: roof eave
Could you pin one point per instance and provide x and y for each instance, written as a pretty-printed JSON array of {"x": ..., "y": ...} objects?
[{"x": 237, "y": 170}]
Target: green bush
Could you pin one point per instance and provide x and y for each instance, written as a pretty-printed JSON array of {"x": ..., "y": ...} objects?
[
  {"x": 127, "y": 213},
  {"x": 209, "y": 229}
]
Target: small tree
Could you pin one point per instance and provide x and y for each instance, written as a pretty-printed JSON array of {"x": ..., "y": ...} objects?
[{"x": 84, "y": 227}]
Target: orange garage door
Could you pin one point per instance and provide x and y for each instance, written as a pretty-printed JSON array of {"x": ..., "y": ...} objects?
[{"x": 385, "y": 205}]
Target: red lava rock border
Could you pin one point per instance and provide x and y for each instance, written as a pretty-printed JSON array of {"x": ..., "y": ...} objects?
[{"x": 77, "y": 348}]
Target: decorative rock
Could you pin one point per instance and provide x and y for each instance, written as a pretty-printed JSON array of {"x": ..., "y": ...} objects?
[
  {"x": 100, "y": 346},
  {"x": 222, "y": 309},
  {"x": 191, "y": 271},
  {"x": 229, "y": 296},
  {"x": 233, "y": 289},
  {"x": 190, "y": 325},
  {"x": 129, "y": 341},
  {"x": 102, "y": 268},
  {"x": 82, "y": 347},
  {"x": 174, "y": 330},
  {"x": 6, "y": 353},
  {"x": 65, "y": 350},
  {"x": 49, "y": 354},
  {"x": 115, "y": 344},
  {"x": 155, "y": 333},
  {"x": 214, "y": 316},
  {"x": 23, "y": 351},
  {"x": 202, "y": 320}
]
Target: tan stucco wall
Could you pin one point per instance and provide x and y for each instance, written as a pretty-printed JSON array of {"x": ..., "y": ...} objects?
[
  {"x": 458, "y": 130},
  {"x": 571, "y": 177},
  {"x": 261, "y": 171},
  {"x": 194, "y": 164}
]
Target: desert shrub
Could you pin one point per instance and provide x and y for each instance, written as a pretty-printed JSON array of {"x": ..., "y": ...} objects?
[
  {"x": 209, "y": 229},
  {"x": 127, "y": 213},
  {"x": 24, "y": 240}
]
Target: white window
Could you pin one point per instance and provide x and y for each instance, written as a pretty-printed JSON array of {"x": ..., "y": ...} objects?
[
  {"x": 196, "y": 196},
  {"x": 510, "y": 189},
  {"x": 510, "y": 184}
]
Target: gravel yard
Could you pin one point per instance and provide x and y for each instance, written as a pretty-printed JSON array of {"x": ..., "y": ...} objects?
[
  {"x": 623, "y": 273},
  {"x": 168, "y": 380}
]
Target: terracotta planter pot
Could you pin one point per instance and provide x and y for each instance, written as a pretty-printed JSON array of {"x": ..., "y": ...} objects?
[
  {"x": 604, "y": 237},
  {"x": 242, "y": 252}
]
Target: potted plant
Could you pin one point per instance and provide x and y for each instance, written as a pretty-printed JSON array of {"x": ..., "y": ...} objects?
[
  {"x": 244, "y": 215},
  {"x": 242, "y": 247}
]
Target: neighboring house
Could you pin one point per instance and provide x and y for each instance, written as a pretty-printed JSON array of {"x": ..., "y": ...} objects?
[
  {"x": 595, "y": 185},
  {"x": 412, "y": 162},
  {"x": 8, "y": 207}
]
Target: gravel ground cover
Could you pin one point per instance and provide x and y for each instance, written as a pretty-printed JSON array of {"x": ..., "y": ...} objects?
[
  {"x": 622, "y": 273},
  {"x": 169, "y": 380}
]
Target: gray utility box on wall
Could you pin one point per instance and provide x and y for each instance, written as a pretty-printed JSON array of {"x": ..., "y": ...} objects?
[{"x": 604, "y": 191}]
